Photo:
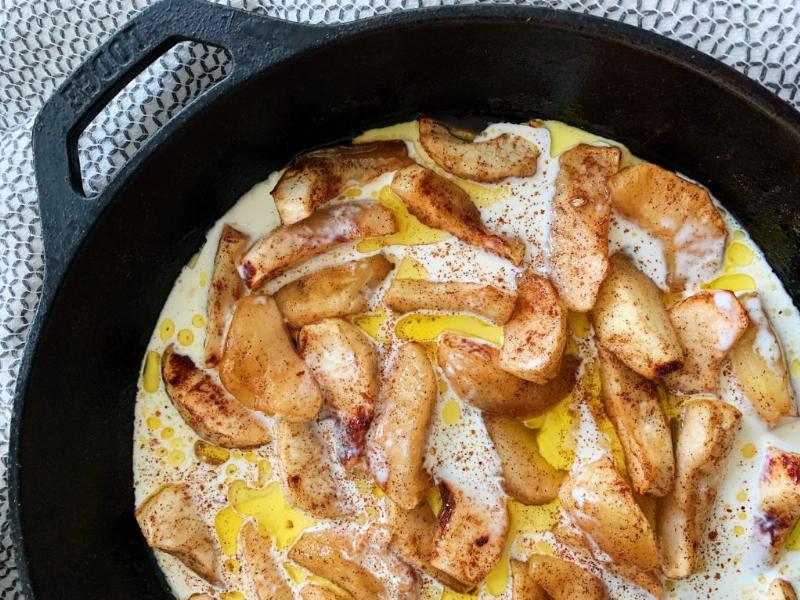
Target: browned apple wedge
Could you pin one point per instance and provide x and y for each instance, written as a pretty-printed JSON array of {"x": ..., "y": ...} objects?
[
  {"x": 319, "y": 176},
  {"x": 779, "y": 504},
  {"x": 307, "y": 477},
  {"x": 680, "y": 214},
  {"x": 600, "y": 502},
  {"x": 412, "y": 539},
  {"x": 226, "y": 288},
  {"x": 535, "y": 337},
  {"x": 633, "y": 405},
  {"x": 523, "y": 587},
  {"x": 268, "y": 581},
  {"x": 333, "y": 292},
  {"x": 407, "y": 295},
  {"x": 564, "y": 580},
  {"x": 705, "y": 438},
  {"x": 629, "y": 319},
  {"x": 330, "y": 554},
  {"x": 207, "y": 408},
  {"x": 440, "y": 203},
  {"x": 470, "y": 535},
  {"x": 487, "y": 162},
  {"x": 527, "y": 476},
  {"x": 170, "y": 522},
  {"x": 290, "y": 245},
  {"x": 474, "y": 374},
  {"x": 780, "y": 589},
  {"x": 345, "y": 364},
  {"x": 579, "y": 227},
  {"x": 261, "y": 367},
  {"x": 397, "y": 442},
  {"x": 708, "y": 325},
  {"x": 759, "y": 365},
  {"x": 311, "y": 591}
]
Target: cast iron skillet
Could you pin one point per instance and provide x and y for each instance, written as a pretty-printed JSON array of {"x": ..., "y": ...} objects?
[{"x": 112, "y": 259}]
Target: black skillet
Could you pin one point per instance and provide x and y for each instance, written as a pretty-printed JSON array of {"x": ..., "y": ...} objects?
[{"x": 111, "y": 259}]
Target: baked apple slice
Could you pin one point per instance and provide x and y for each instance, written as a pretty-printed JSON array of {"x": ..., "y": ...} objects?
[
  {"x": 600, "y": 503},
  {"x": 345, "y": 364},
  {"x": 759, "y": 365},
  {"x": 207, "y": 408},
  {"x": 523, "y": 587},
  {"x": 264, "y": 571},
  {"x": 708, "y": 325},
  {"x": 311, "y": 591},
  {"x": 226, "y": 288},
  {"x": 705, "y": 438},
  {"x": 261, "y": 367},
  {"x": 779, "y": 504},
  {"x": 318, "y": 176},
  {"x": 527, "y": 476},
  {"x": 307, "y": 477},
  {"x": 579, "y": 227},
  {"x": 290, "y": 245},
  {"x": 472, "y": 370},
  {"x": 397, "y": 442},
  {"x": 535, "y": 337},
  {"x": 441, "y": 204},
  {"x": 678, "y": 212},
  {"x": 629, "y": 319},
  {"x": 565, "y": 580},
  {"x": 333, "y": 292},
  {"x": 780, "y": 589},
  {"x": 171, "y": 522},
  {"x": 487, "y": 162},
  {"x": 633, "y": 405},
  {"x": 408, "y": 295}
]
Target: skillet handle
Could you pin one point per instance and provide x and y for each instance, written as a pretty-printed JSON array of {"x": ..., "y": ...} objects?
[{"x": 254, "y": 43}]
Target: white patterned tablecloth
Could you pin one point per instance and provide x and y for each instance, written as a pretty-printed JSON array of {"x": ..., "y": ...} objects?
[{"x": 42, "y": 41}]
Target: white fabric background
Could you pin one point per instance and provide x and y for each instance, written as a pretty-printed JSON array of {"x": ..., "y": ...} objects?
[{"x": 42, "y": 41}]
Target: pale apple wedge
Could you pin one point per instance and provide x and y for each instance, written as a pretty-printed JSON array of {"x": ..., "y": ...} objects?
[
  {"x": 269, "y": 580},
  {"x": 759, "y": 365},
  {"x": 600, "y": 503},
  {"x": 306, "y": 474},
  {"x": 473, "y": 372},
  {"x": 225, "y": 289},
  {"x": 579, "y": 226},
  {"x": 564, "y": 580},
  {"x": 345, "y": 364},
  {"x": 211, "y": 412},
  {"x": 311, "y": 591},
  {"x": 487, "y": 162},
  {"x": 470, "y": 534},
  {"x": 397, "y": 442},
  {"x": 629, "y": 319},
  {"x": 290, "y": 245},
  {"x": 170, "y": 522},
  {"x": 333, "y": 292},
  {"x": 408, "y": 295},
  {"x": 535, "y": 337},
  {"x": 678, "y": 212},
  {"x": 412, "y": 540},
  {"x": 441, "y": 204},
  {"x": 523, "y": 587},
  {"x": 318, "y": 176},
  {"x": 780, "y": 589},
  {"x": 527, "y": 476},
  {"x": 261, "y": 367},
  {"x": 330, "y": 554},
  {"x": 705, "y": 438},
  {"x": 632, "y": 403},
  {"x": 779, "y": 503},
  {"x": 708, "y": 325}
]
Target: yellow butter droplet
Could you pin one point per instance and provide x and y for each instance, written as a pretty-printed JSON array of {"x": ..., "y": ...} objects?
[
  {"x": 738, "y": 282},
  {"x": 151, "y": 377},
  {"x": 232, "y": 565},
  {"x": 371, "y": 323},
  {"x": 556, "y": 437},
  {"x": 762, "y": 580},
  {"x": 793, "y": 541},
  {"x": 411, "y": 268},
  {"x": 185, "y": 337},
  {"x": 166, "y": 329},
  {"x": 162, "y": 451},
  {"x": 481, "y": 196},
  {"x": 153, "y": 422},
  {"x": 748, "y": 450},
  {"x": 227, "y": 524},
  {"x": 434, "y": 499},
  {"x": 424, "y": 327},
  {"x": 741, "y": 496},
  {"x": 738, "y": 254},
  {"x": 210, "y": 454},
  {"x": 176, "y": 458},
  {"x": 451, "y": 411},
  {"x": 738, "y": 235},
  {"x": 231, "y": 469},
  {"x": 233, "y": 596},
  {"x": 738, "y": 530},
  {"x": 353, "y": 192},
  {"x": 296, "y": 574},
  {"x": 264, "y": 472},
  {"x": 579, "y": 324},
  {"x": 199, "y": 321},
  {"x": 563, "y": 137},
  {"x": 167, "y": 432},
  {"x": 202, "y": 280},
  {"x": 408, "y": 131},
  {"x": 742, "y": 515},
  {"x": 795, "y": 367},
  {"x": 251, "y": 456}
]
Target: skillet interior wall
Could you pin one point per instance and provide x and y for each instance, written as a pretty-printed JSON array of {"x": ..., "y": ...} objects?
[{"x": 76, "y": 491}]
